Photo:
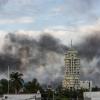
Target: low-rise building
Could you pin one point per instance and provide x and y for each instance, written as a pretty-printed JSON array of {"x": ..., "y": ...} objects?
[
  {"x": 36, "y": 96},
  {"x": 86, "y": 85},
  {"x": 91, "y": 95}
]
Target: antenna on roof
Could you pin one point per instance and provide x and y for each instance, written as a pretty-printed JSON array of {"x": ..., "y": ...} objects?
[
  {"x": 8, "y": 79},
  {"x": 71, "y": 43}
]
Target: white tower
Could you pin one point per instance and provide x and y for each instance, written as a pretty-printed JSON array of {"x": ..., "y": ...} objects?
[{"x": 72, "y": 70}]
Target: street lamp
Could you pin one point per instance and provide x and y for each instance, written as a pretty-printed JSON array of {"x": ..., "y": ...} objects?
[{"x": 53, "y": 93}]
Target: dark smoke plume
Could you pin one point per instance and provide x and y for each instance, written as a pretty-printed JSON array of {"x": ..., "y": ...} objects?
[
  {"x": 25, "y": 53},
  {"x": 7, "y": 60},
  {"x": 49, "y": 43},
  {"x": 90, "y": 48},
  {"x": 44, "y": 58},
  {"x": 89, "y": 52}
]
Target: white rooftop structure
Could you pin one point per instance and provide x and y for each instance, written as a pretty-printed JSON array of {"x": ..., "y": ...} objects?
[
  {"x": 91, "y": 95},
  {"x": 86, "y": 85},
  {"x": 36, "y": 96}
]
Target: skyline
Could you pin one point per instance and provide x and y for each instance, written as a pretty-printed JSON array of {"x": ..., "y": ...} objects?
[{"x": 50, "y": 25}]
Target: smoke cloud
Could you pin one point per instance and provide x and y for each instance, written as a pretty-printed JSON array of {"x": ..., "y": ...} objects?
[
  {"x": 89, "y": 51},
  {"x": 43, "y": 57}
]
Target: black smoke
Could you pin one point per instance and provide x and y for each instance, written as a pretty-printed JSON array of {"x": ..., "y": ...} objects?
[
  {"x": 90, "y": 48},
  {"x": 49, "y": 43},
  {"x": 89, "y": 51},
  {"x": 7, "y": 60},
  {"x": 25, "y": 53},
  {"x": 43, "y": 58}
]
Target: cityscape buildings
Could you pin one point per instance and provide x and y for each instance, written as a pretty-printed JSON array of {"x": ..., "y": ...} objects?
[
  {"x": 92, "y": 95},
  {"x": 86, "y": 85},
  {"x": 72, "y": 70}
]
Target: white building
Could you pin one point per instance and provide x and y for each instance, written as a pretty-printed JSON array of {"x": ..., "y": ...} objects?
[
  {"x": 72, "y": 70},
  {"x": 91, "y": 95},
  {"x": 86, "y": 85},
  {"x": 36, "y": 96}
]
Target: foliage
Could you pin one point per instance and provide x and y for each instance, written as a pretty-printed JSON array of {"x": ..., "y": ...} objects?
[
  {"x": 96, "y": 88},
  {"x": 17, "y": 85},
  {"x": 3, "y": 86},
  {"x": 32, "y": 86},
  {"x": 16, "y": 81}
]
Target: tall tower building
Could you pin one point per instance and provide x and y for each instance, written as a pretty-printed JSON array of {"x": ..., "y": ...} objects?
[{"x": 72, "y": 70}]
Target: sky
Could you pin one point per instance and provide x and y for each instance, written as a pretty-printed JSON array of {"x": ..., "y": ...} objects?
[
  {"x": 66, "y": 18},
  {"x": 39, "y": 15},
  {"x": 46, "y": 27}
]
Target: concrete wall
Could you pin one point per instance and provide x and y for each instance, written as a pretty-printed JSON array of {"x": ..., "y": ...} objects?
[
  {"x": 86, "y": 85},
  {"x": 91, "y": 95},
  {"x": 22, "y": 97}
]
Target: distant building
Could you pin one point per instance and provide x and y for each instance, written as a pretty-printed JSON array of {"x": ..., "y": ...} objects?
[
  {"x": 91, "y": 95},
  {"x": 86, "y": 85},
  {"x": 72, "y": 70},
  {"x": 36, "y": 96}
]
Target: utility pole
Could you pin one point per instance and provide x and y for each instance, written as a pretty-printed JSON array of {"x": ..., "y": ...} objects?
[
  {"x": 53, "y": 94},
  {"x": 77, "y": 97},
  {"x": 71, "y": 43},
  {"x": 8, "y": 79}
]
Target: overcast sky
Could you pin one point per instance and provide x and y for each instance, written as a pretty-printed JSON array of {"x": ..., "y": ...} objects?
[
  {"x": 42, "y": 14},
  {"x": 62, "y": 18}
]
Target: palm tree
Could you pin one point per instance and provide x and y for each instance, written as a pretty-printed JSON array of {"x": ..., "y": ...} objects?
[{"x": 17, "y": 81}]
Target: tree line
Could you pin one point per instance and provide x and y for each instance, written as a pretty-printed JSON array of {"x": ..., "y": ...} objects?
[{"x": 17, "y": 85}]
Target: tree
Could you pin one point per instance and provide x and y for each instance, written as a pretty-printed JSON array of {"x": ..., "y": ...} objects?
[
  {"x": 16, "y": 81},
  {"x": 3, "y": 86},
  {"x": 96, "y": 88},
  {"x": 32, "y": 86}
]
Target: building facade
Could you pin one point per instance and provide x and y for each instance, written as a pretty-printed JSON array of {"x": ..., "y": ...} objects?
[
  {"x": 91, "y": 95},
  {"x": 72, "y": 70},
  {"x": 86, "y": 85},
  {"x": 35, "y": 96}
]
